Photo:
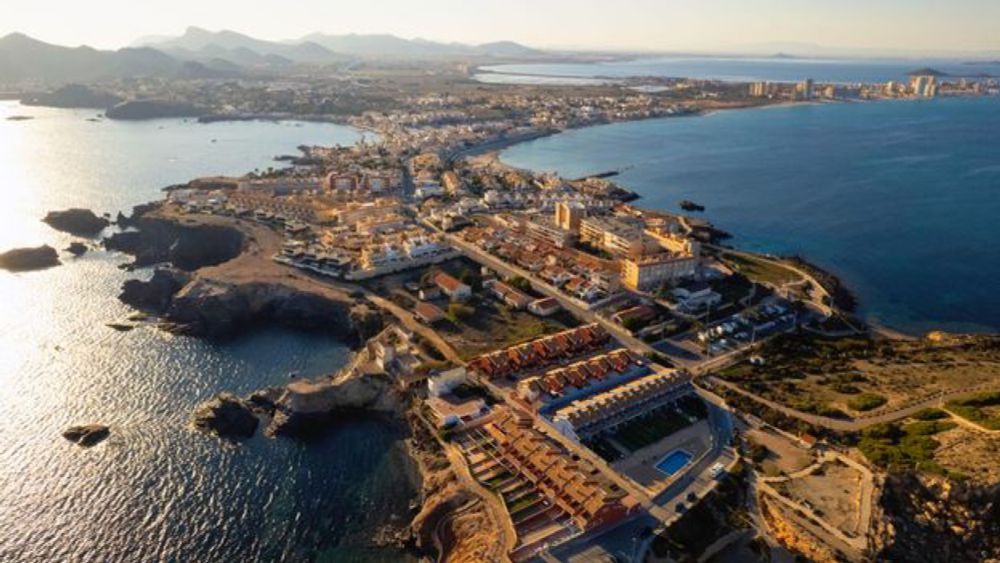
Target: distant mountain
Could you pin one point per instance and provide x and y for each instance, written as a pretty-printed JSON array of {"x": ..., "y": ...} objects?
[
  {"x": 25, "y": 59},
  {"x": 201, "y": 44},
  {"x": 391, "y": 46},
  {"x": 926, "y": 71}
]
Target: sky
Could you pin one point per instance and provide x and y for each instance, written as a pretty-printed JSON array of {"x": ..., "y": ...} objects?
[{"x": 917, "y": 26}]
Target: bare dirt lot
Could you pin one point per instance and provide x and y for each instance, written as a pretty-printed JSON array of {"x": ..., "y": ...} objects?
[{"x": 832, "y": 491}]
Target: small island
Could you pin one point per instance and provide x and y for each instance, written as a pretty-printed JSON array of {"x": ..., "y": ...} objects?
[{"x": 28, "y": 259}]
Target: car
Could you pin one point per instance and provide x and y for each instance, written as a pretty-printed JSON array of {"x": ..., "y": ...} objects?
[
  {"x": 717, "y": 470},
  {"x": 692, "y": 497}
]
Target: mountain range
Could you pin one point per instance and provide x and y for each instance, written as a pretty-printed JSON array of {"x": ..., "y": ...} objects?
[
  {"x": 199, "y": 53},
  {"x": 319, "y": 48}
]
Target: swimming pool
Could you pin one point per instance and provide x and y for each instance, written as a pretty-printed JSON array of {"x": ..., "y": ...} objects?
[{"x": 674, "y": 462}]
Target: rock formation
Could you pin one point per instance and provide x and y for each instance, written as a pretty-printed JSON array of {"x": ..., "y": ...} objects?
[
  {"x": 79, "y": 222},
  {"x": 77, "y": 248},
  {"x": 226, "y": 416},
  {"x": 218, "y": 310},
  {"x": 308, "y": 405},
  {"x": 153, "y": 109},
  {"x": 87, "y": 435},
  {"x": 186, "y": 247},
  {"x": 27, "y": 259},
  {"x": 154, "y": 296},
  {"x": 931, "y": 519}
]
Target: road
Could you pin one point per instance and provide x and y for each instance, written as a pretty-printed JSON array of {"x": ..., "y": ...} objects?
[
  {"x": 862, "y": 422},
  {"x": 571, "y": 305}
]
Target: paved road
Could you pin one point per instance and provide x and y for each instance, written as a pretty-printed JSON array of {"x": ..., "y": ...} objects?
[{"x": 568, "y": 303}]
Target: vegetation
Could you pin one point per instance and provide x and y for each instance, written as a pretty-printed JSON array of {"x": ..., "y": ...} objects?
[
  {"x": 896, "y": 447},
  {"x": 931, "y": 414},
  {"x": 520, "y": 283},
  {"x": 867, "y": 401},
  {"x": 760, "y": 270},
  {"x": 979, "y": 409},
  {"x": 459, "y": 311},
  {"x": 660, "y": 423}
]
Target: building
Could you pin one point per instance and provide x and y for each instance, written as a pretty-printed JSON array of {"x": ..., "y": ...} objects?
[
  {"x": 545, "y": 307},
  {"x": 451, "y": 183},
  {"x": 606, "y": 411},
  {"x": 540, "y": 352},
  {"x": 579, "y": 378},
  {"x": 545, "y": 229},
  {"x": 446, "y": 381},
  {"x": 514, "y": 298},
  {"x": 804, "y": 89},
  {"x": 569, "y": 214},
  {"x": 452, "y": 287},
  {"x": 428, "y": 313},
  {"x": 649, "y": 273},
  {"x": 614, "y": 235},
  {"x": 759, "y": 90},
  {"x": 450, "y": 411},
  {"x": 586, "y": 495}
]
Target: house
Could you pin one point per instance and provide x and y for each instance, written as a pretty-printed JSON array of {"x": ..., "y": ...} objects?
[
  {"x": 450, "y": 411},
  {"x": 544, "y": 307},
  {"x": 512, "y": 297},
  {"x": 428, "y": 293},
  {"x": 452, "y": 287},
  {"x": 428, "y": 313},
  {"x": 446, "y": 381}
]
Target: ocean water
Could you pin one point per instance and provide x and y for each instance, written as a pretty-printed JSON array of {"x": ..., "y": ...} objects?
[
  {"x": 901, "y": 199},
  {"x": 730, "y": 69},
  {"x": 157, "y": 490}
]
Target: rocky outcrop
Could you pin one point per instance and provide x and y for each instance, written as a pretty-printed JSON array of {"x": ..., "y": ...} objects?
[
  {"x": 929, "y": 519},
  {"x": 87, "y": 435},
  {"x": 226, "y": 416},
  {"x": 153, "y": 109},
  {"x": 79, "y": 222},
  {"x": 73, "y": 96},
  {"x": 28, "y": 259},
  {"x": 213, "y": 309},
  {"x": 155, "y": 295},
  {"x": 306, "y": 406},
  {"x": 77, "y": 249},
  {"x": 187, "y": 247}
]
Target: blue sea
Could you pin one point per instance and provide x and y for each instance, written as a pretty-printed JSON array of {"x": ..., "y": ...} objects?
[
  {"x": 732, "y": 69},
  {"x": 899, "y": 198},
  {"x": 156, "y": 490}
]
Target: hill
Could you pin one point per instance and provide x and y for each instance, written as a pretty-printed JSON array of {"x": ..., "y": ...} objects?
[
  {"x": 200, "y": 44},
  {"x": 25, "y": 59}
]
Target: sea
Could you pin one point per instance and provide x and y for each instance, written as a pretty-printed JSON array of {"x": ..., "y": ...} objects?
[
  {"x": 156, "y": 490},
  {"x": 732, "y": 69},
  {"x": 901, "y": 199}
]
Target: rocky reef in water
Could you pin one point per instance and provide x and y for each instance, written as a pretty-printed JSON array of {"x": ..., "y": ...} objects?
[
  {"x": 29, "y": 259},
  {"x": 87, "y": 435},
  {"x": 226, "y": 416},
  {"x": 79, "y": 222}
]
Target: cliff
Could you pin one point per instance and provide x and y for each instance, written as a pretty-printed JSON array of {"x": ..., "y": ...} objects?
[
  {"x": 306, "y": 406},
  {"x": 187, "y": 247},
  {"x": 214, "y": 309},
  {"x": 930, "y": 519}
]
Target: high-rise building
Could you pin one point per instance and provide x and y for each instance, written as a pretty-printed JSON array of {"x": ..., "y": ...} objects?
[
  {"x": 805, "y": 89},
  {"x": 569, "y": 214}
]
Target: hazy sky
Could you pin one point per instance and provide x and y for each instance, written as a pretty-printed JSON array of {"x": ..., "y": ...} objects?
[{"x": 920, "y": 25}]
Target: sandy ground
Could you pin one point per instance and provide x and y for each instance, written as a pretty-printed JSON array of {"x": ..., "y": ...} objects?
[
  {"x": 833, "y": 492},
  {"x": 970, "y": 452},
  {"x": 784, "y": 457}
]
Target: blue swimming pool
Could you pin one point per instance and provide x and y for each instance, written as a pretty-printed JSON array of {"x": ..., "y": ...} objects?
[{"x": 674, "y": 462}]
